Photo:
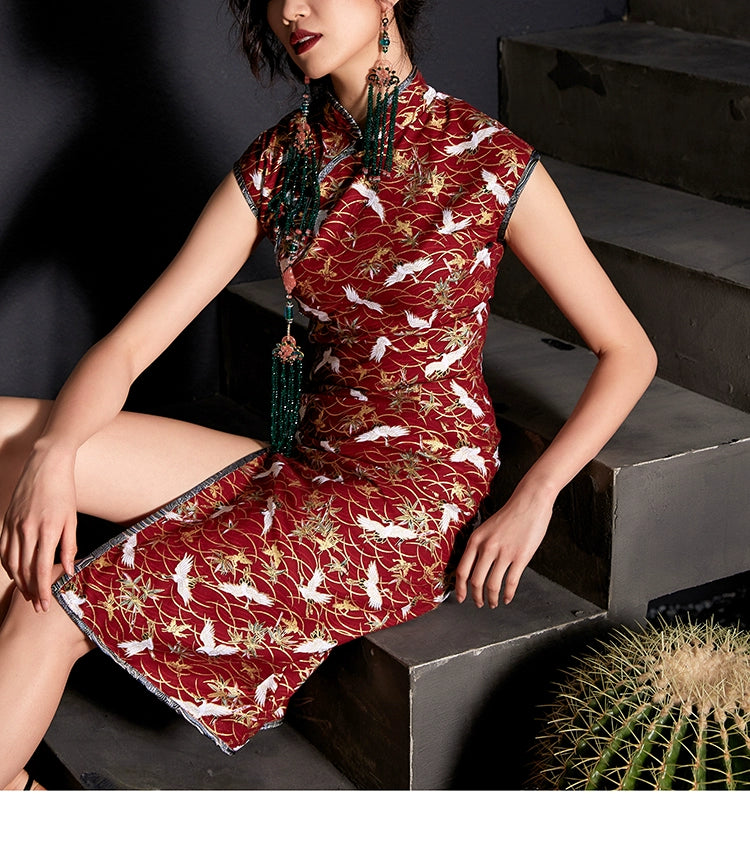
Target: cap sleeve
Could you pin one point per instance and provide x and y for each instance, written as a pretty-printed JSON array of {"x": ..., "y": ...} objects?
[
  {"x": 508, "y": 162},
  {"x": 256, "y": 172}
]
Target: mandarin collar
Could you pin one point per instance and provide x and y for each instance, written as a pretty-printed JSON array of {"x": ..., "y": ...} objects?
[{"x": 337, "y": 121}]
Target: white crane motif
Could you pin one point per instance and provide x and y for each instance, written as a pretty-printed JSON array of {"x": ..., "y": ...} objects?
[
  {"x": 382, "y": 432},
  {"x": 276, "y": 467},
  {"x": 352, "y": 296},
  {"x": 450, "y": 226},
  {"x": 479, "y": 310},
  {"x": 445, "y": 362},
  {"x": 482, "y": 257},
  {"x": 386, "y": 531},
  {"x": 310, "y": 592},
  {"x": 410, "y": 269},
  {"x": 317, "y": 313},
  {"x": 465, "y": 400},
  {"x": 74, "y": 602},
  {"x": 329, "y": 359},
  {"x": 375, "y": 599},
  {"x": 245, "y": 590},
  {"x": 473, "y": 142},
  {"x": 314, "y": 646},
  {"x": 208, "y": 642},
  {"x": 135, "y": 647},
  {"x": 268, "y": 514},
  {"x": 221, "y": 511},
  {"x": 451, "y": 514},
  {"x": 372, "y": 199},
  {"x": 420, "y": 323},
  {"x": 180, "y": 577},
  {"x": 378, "y": 350},
  {"x": 357, "y": 394},
  {"x": 261, "y": 692},
  {"x": 469, "y": 455},
  {"x": 205, "y": 709},
  {"x": 128, "y": 551},
  {"x": 431, "y": 95},
  {"x": 321, "y": 218},
  {"x": 495, "y": 187}
]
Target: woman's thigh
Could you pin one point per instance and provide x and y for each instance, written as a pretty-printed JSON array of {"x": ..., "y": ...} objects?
[{"x": 138, "y": 462}]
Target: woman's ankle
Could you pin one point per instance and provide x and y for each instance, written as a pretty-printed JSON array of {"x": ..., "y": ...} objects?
[{"x": 23, "y": 781}]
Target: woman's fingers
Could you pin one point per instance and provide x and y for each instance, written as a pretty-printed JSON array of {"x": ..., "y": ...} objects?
[
  {"x": 42, "y": 574},
  {"x": 28, "y": 556},
  {"x": 512, "y": 579},
  {"x": 484, "y": 569},
  {"x": 489, "y": 570},
  {"x": 463, "y": 571},
  {"x": 9, "y": 557},
  {"x": 68, "y": 546},
  {"x": 480, "y": 573}
]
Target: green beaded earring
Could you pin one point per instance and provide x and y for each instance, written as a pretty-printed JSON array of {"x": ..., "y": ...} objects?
[{"x": 382, "y": 101}]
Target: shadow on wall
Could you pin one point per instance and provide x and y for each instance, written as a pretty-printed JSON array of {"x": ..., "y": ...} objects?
[{"x": 111, "y": 183}]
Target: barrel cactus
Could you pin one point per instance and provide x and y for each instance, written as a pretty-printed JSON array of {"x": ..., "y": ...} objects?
[{"x": 662, "y": 708}]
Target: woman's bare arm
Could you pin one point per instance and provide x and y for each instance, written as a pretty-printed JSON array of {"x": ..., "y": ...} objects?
[
  {"x": 42, "y": 512},
  {"x": 216, "y": 248},
  {"x": 544, "y": 236}
]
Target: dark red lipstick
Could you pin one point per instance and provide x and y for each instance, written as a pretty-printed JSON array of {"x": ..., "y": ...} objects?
[{"x": 302, "y": 41}]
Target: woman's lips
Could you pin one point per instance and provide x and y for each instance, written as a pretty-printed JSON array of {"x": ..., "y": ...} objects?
[{"x": 302, "y": 41}]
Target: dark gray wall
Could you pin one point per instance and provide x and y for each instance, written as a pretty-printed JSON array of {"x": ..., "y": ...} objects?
[{"x": 118, "y": 120}]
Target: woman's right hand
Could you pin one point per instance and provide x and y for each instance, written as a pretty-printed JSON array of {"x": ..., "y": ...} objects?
[{"x": 41, "y": 516}]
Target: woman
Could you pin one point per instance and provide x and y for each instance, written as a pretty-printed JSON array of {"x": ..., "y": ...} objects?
[{"x": 389, "y": 206}]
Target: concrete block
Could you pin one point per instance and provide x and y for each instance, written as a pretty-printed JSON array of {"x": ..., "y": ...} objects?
[
  {"x": 664, "y": 506},
  {"x": 720, "y": 17},
  {"x": 681, "y": 263},
  {"x": 448, "y": 700},
  {"x": 660, "y": 104}
]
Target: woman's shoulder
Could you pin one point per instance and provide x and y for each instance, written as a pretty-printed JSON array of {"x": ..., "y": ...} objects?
[
  {"x": 461, "y": 123},
  {"x": 468, "y": 139}
]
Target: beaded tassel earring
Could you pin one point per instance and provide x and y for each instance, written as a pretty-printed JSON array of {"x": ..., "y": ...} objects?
[
  {"x": 296, "y": 206},
  {"x": 382, "y": 101}
]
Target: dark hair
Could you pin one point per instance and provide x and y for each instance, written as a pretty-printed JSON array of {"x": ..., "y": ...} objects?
[{"x": 266, "y": 54}]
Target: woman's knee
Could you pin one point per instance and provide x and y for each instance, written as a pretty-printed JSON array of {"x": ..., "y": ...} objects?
[
  {"x": 21, "y": 422},
  {"x": 53, "y": 628}
]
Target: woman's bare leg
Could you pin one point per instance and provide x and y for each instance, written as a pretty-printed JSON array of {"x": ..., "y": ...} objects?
[
  {"x": 132, "y": 467},
  {"x": 37, "y": 652}
]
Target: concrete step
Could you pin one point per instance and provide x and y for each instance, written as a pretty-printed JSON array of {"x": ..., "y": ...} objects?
[
  {"x": 682, "y": 264},
  {"x": 449, "y": 700},
  {"x": 110, "y": 733},
  {"x": 719, "y": 17},
  {"x": 660, "y": 104},
  {"x": 664, "y": 506}
]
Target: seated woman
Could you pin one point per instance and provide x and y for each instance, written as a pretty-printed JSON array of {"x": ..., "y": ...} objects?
[{"x": 389, "y": 206}]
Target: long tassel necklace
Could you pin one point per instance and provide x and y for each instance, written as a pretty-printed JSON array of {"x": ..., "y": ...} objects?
[{"x": 296, "y": 207}]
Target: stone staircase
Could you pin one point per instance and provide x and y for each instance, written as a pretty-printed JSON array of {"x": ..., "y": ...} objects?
[{"x": 659, "y": 184}]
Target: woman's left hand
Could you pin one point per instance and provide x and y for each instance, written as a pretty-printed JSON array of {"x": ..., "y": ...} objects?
[{"x": 500, "y": 548}]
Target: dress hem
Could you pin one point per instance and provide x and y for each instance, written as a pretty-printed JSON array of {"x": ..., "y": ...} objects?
[{"x": 59, "y": 586}]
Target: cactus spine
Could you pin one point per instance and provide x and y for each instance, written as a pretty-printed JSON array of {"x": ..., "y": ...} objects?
[{"x": 665, "y": 708}]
